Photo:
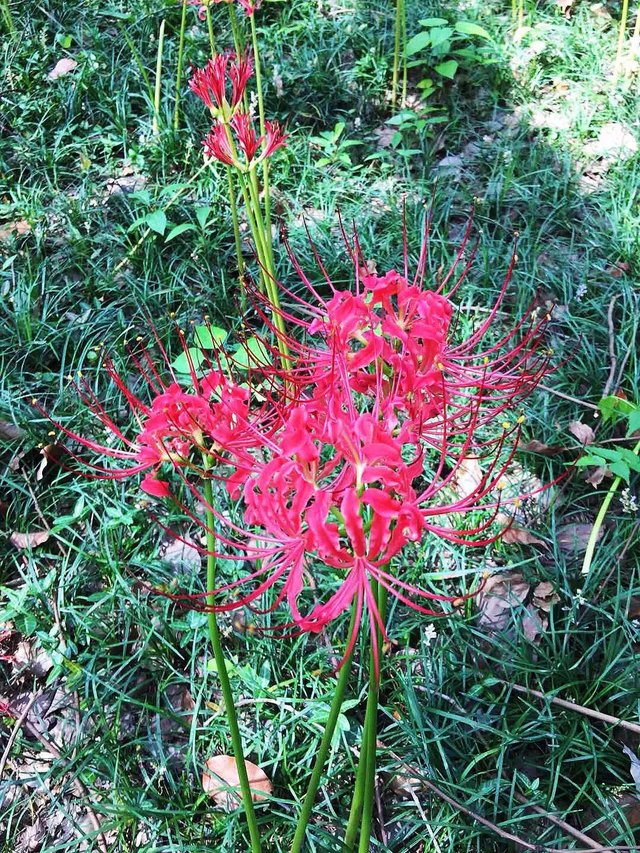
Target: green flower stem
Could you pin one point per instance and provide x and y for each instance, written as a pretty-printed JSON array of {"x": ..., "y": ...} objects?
[
  {"x": 371, "y": 732},
  {"x": 265, "y": 165},
  {"x": 158, "y": 87},
  {"x": 218, "y": 653},
  {"x": 325, "y": 745},
  {"x": 405, "y": 59},
  {"x": 396, "y": 52},
  {"x": 8, "y": 17},
  {"x": 212, "y": 41},
  {"x": 238, "y": 41},
  {"x": 621, "y": 34},
  {"x": 236, "y": 234},
  {"x": 183, "y": 24},
  {"x": 597, "y": 524},
  {"x": 362, "y": 803}
]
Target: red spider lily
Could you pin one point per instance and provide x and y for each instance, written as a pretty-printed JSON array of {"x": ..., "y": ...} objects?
[
  {"x": 210, "y": 83},
  {"x": 225, "y": 141},
  {"x": 249, "y": 6}
]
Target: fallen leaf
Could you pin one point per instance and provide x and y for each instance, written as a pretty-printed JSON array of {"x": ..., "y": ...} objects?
[
  {"x": 29, "y": 540},
  {"x": 182, "y": 555},
  {"x": 62, "y": 67},
  {"x": 533, "y": 624},
  {"x": 545, "y": 596},
  {"x": 221, "y": 775},
  {"x": 635, "y": 766},
  {"x": 582, "y": 432},
  {"x": 405, "y": 786},
  {"x": 618, "y": 269},
  {"x": 500, "y": 594},
  {"x": 597, "y": 476},
  {"x": 521, "y": 536},
  {"x": 535, "y": 446},
  {"x": 614, "y": 141},
  {"x": 467, "y": 478},
  {"x": 573, "y": 538},
  {"x": 10, "y": 431},
  {"x": 19, "y": 227}
]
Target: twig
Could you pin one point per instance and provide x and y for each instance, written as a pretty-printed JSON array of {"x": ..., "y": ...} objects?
[
  {"x": 16, "y": 729},
  {"x": 612, "y": 347},
  {"x": 573, "y": 706},
  {"x": 568, "y": 397},
  {"x": 562, "y": 824}
]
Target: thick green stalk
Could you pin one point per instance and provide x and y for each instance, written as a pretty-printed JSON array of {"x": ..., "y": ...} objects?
[
  {"x": 227, "y": 695},
  {"x": 158, "y": 89},
  {"x": 236, "y": 234},
  {"x": 183, "y": 24},
  {"x": 396, "y": 54},
  {"x": 325, "y": 745},
  {"x": 8, "y": 17},
  {"x": 621, "y": 34},
  {"x": 261, "y": 115},
  {"x": 597, "y": 524},
  {"x": 212, "y": 41},
  {"x": 362, "y": 803},
  {"x": 371, "y": 732},
  {"x": 405, "y": 60}
]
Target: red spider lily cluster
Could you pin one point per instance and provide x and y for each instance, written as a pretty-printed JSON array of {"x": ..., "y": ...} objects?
[
  {"x": 233, "y": 139},
  {"x": 337, "y": 463},
  {"x": 249, "y": 6}
]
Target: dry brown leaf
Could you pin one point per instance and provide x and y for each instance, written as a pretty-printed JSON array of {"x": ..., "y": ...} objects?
[
  {"x": 618, "y": 269},
  {"x": 29, "y": 540},
  {"x": 597, "y": 476},
  {"x": 545, "y": 596},
  {"x": 500, "y": 594},
  {"x": 573, "y": 538},
  {"x": 535, "y": 446},
  {"x": 533, "y": 624},
  {"x": 582, "y": 432},
  {"x": 221, "y": 781},
  {"x": 521, "y": 536},
  {"x": 10, "y": 431},
  {"x": 19, "y": 227},
  {"x": 405, "y": 786},
  {"x": 62, "y": 67}
]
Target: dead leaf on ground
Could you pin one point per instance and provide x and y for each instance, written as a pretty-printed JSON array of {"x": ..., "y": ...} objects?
[
  {"x": 566, "y": 7},
  {"x": 521, "y": 536},
  {"x": 597, "y": 476},
  {"x": 545, "y": 596},
  {"x": 618, "y": 269},
  {"x": 62, "y": 67},
  {"x": 19, "y": 227},
  {"x": 573, "y": 538},
  {"x": 500, "y": 594},
  {"x": 182, "y": 555},
  {"x": 29, "y": 540},
  {"x": 535, "y": 446},
  {"x": 221, "y": 781},
  {"x": 534, "y": 624},
  {"x": 10, "y": 431},
  {"x": 582, "y": 432}
]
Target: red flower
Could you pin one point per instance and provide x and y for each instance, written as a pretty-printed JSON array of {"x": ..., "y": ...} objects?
[
  {"x": 217, "y": 145},
  {"x": 210, "y": 83}
]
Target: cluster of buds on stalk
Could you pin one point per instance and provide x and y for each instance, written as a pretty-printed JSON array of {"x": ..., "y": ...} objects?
[
  {"x": 249, "y": 6},
  {"x": 327, "y": 469},
  {"x": 233, "y": 139}
]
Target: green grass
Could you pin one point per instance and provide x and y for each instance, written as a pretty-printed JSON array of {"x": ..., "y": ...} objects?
[{"x": 77, "y": 279}]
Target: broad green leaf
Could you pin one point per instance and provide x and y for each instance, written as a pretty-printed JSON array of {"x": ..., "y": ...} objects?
[
  {"x": 179, "y": 229},
  {"x": 251, "y": 354},
  {"x": 620, "y": 469},
  {"x": 208, "y": 337},
  {"x": 447, "y": 69},
  {"x": 181, "y": 363},
  {"x": 337, "y": 130},
  {"x": 630, "y": 458},
  {"x": 202, "y": 214},
  {"x": 157, "y": 221},
  {"x": 634, "y": 421},
  {"x": 469, "y": 29},
  {"x": 440, "y": 36},
  {"x": 433, "y": 22},
  {"x": 590, "y": 459},
  {"x": 417, "y": 43},
  {"x": 615, "y": 407}
]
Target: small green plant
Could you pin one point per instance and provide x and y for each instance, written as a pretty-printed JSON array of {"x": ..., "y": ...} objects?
[
  {"x": 334, "y": 146},
  {"x": 442, "y": 47},
  {"x": 620, "y": 461}
]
